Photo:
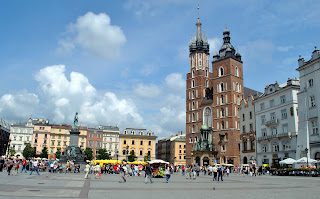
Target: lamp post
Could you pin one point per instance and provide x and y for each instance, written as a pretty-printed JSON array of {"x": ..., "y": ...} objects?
[
  {"x": 307, "y": 150},
  {"x": 127, "y": 151},
  {"x": 8, "y": 147},
  {"x": 117, "y": 154}
]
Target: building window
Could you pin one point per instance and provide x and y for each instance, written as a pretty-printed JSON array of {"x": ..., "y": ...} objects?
[
  {"x": 206, "y": 73},
  {"x": 314, "y": 125},
  {"x": 99, "y": 144},
  {"x": 222, "y": 99},
  {"x": 250, "y": 114},
  {"x": 91, "y": 135},
  {"x": 132, "y": 142},
  {"x": 310, "y": 82},
  {"x": 243, "y": 129},
  {"x": 20, "y": 138},
  {"x": 53, "y": 136},
  {"x": 262, "y": 106},
  {"x": 44, "y": 141},
  {"x": 263, "y": 119},
  {"x": 207, "y": 83},
  {"x": 65, "y": 137},
  {"x": 179, "y": 151},
  {"x": 192, "y": 73},
  {"x": 312, "y": 101},
  {"x": 52, "y": 142},
  {"x": 64, "y": 143},
  {"x": 28, "y": 138},
  {"x": 265, "y": 148},
  {"x": 90, "y": 143},
  {"x": 222, "y": 112},
  {"x": 192, "y": 84},
  {"x": 221, "y": 72},
  {"x": 36, "y": 135},
  {"x": 141, "y": 142},
  {"x": 252, "y": 145},
  {"x": 285, "y": 128},
  {"x": 273, "y": 116},
  {"x": 283, "y": 99},
  {"x": 58, "y": 143},
  {"x": 245, "y": 145},
  {"x": 243, "y": 117},
  {"x": 237, "y": 72},
  {"x": 149, "y": 152},
  {"x": 272, "y": 103},
  {"x": 221, "y": 87},
  {"x": 284, "y": 114},
  {"x": 99, "y": 135},
  {"x": 140, "y": 153},
  {"x": 251, "y": 127},
  {"x": 149, "y": 143},
  {"x": 274, "y": 130},
  {"x": 124, "y": 141},
  {"x": 275, "y": 147},
  {"x": 264, "y": 132}
]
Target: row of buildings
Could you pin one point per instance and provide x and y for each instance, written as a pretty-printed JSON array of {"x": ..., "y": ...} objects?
[{"x": 40, "y": 133}]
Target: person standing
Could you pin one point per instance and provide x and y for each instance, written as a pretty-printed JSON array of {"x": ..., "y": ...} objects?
[
  {"x": 148, "y": 174},
  {"x": 98, "y": 171},
  {"x": 9, "y": 165},
  {"x": 168, "y": 175},
  {"x": 34, "y": 166},
  {"x": 215, "y": 172}
]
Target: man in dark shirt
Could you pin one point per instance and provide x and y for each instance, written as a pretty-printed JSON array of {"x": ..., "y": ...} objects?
[{"x": 148, "y": 173}]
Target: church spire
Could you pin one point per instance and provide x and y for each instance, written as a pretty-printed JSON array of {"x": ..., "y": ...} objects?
[{"x": 198, "y": 24}]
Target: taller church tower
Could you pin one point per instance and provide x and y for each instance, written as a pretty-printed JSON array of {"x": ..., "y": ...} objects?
[{"x": 197, "y": 82}]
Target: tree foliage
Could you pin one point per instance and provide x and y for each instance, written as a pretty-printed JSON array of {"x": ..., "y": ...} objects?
[
  {"x": 147, "y": 157},
  {"x": 88, "y": 154},
  {"x": 28, "y": 151},
  {"x": 12, "y": 151},
  {"x": 58, "y": 153},
  {"x": 132, "y": 157},
  {"x": 103, "y": 155},
  {"x": 44, "y": 152}
]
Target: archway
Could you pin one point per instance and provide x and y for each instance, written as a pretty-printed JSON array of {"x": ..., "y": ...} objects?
[
  {"x": 245, "y": 160},
  {"x": 198, "y": 160},
  {"x": 317, "y": 156},
  {"x": 205, "y": 161}
]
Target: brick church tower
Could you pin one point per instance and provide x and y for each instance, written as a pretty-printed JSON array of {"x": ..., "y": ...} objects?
[{"x": 212, "y": 102}]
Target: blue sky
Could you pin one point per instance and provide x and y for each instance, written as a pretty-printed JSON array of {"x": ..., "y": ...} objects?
[{"x": 124, "y": 62}]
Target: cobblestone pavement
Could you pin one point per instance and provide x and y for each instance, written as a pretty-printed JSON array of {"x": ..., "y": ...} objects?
[{"x": 71, "y": 185}]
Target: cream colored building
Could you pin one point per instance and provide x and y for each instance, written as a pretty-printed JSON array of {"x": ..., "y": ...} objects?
[
  {"x": 111, "y": 140},
  {"x": 140, "y": 141},
  {"x": 178, "y": 150}
]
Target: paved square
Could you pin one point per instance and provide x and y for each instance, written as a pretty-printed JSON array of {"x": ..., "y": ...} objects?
[{"x": 49, "y": 185}]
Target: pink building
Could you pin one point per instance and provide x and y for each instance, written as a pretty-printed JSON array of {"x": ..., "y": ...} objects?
[{"x": 41, "y": 137}]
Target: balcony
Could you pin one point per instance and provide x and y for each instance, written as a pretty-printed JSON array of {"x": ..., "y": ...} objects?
[
  {"x": 272, "y": 122},
  {"x": 282, "y": 135}
]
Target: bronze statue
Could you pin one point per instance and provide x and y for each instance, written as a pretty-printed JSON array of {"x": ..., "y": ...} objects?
[{"x": 75, "y": 122}]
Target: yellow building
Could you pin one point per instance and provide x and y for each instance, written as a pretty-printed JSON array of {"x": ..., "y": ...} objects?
[
  {"x": 178, "y": 150},
  {"x": 60, "y": 137},
  {"x": 140, "y": 141}
]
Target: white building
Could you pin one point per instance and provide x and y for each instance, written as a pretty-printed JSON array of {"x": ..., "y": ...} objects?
[
  {"x": 277, "y": 122},
  {"x": 247, "y": 131},
  {"x": 111, "y": 140},
  {"x": 309, "y": 107},
  {"x": 20, "y": 135}
]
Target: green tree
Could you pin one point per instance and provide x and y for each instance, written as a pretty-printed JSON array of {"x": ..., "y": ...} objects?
[
  {"x": 147, "y": 157},
  {"x": 88, "y": 154},
  {"x": 132, "y": 157},
  {"x": 44, "y": 152},
  {"x": 12, "y": 151},
  {"x": 58, "y": 153},
  {"x": 28, "y": 151},
  {"x": 103, "y": 155}
]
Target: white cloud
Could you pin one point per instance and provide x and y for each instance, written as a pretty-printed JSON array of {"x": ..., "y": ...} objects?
[
  {"x": 147, "y": 91},
  {"x": 18, "y": 106},
  {"x": 215, "y": 45},
  {"x": 62, "y": 97},
  {"x": 175, "y": 82},
  {"x": 284, "y": 48},
  {"x": 95, "y": 34}
]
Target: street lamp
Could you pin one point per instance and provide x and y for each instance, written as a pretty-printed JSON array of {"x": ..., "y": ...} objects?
[
  {"x": 8, "y": 147},
  {"x": 117, "y": 154},
  {"x": 127, "y": 151},
  {"x": 307, "y": 150}
]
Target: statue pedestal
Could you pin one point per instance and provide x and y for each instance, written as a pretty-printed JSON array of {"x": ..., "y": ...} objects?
[{"x": 78, "y": 157}]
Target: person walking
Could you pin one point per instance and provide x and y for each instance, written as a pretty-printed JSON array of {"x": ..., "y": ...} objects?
[
  {"x": 34, "y": 166},
  {"x": 9, "y": 165},
  {"x": 123, "y": 173},
  {"x": 24, "y": 164},
  {"x": 15, "y": 167},
  {"x": 215, "y": 172},
  {"x": 86, "y": 170},
  {"x": 98, "y": 171},
  {"x": 148, "y": 174},
  {"x": 220, "y": 173},
  {"x": 168, "y": 175}
]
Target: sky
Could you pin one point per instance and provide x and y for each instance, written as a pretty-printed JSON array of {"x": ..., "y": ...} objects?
[{"x": 124, "y": 62}]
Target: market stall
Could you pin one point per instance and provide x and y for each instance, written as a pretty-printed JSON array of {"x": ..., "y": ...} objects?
[{"x": 158, "y": 167}]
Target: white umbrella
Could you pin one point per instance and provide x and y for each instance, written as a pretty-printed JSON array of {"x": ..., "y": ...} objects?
[
  {"x": 304, "y": 160},
  {"x": 287, "y": 161},
  {"x": 158, "y": 161}
]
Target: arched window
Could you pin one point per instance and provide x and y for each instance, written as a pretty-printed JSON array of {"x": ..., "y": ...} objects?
[
  {"x": 206, "y": 73},
  {"x": 193, "y": 105},
  {"x": 193, "y": 129},
  {"x": 193, "y": 95},
  {"x": 192, "y": 73},
  {"x": 222, "y": 125},
  {"x": 226, "y": 137},
  {"x": 192, "y": 83},
  {"x": 237, "y": 87},
  {"x": 222, "y": 99},
  {"x": 200, "y": 60},
  {"x": 237, "y": 72},
  {"x": 221, "y": 71},
  {"x": 222, "y": 112},
  {"x": 317, "y": 156},
  {"x": 193, "y": 117},
  {"x": 221, "y": 87},
  {"x": 207, "y": 83},
  {"x": 208, "y": 117}
]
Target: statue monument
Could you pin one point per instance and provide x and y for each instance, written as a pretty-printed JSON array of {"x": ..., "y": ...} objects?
[{"x": 73, "y": 151}]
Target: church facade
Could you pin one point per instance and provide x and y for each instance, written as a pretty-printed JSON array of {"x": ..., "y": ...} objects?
[{"x": 213, "y": 98}]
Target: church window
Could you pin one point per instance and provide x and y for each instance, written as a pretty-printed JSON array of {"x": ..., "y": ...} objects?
[
  {"x": 222, "y": 112},
  {"x": 237, "y": 87},
  {"x": 222, "y": 99},
  {"x": 222, "y": 125},
  {"x": 193, "y": 106},
  {"x": 237, "y": 72},
  {"x": 221, "y": 71},
  {"x": 192, "y": 73},
  {"x": 206, "y": 73},
  {"x": 208, "y": 117},
  {"x": 226, "y": 111},
  {"x": 200, "y": 60},
  {"x": 207, "y": 83},
  {"x": 192, "y": 83},
  {"x": 221, "y": 87},
  {"x": 193, "y": 96},
  {"x": 193, "y": 117}
]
